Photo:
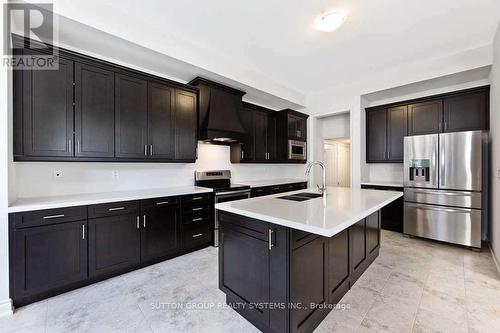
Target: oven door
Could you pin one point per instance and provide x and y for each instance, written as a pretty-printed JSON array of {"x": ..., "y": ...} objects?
[
  {"x": 225, "y": 197},
  {"x": 297, "y": 150}
]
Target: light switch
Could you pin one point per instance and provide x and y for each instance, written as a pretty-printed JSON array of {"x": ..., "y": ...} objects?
[{"x": 115, "y": 175}]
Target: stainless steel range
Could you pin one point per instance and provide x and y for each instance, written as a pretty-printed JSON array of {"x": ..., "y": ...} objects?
[
  {"x": 220, "y": 182},
  {"x": 445, "y": 179}
]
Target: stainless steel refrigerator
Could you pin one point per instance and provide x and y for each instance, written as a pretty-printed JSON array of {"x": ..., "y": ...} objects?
[{"x": 446, "y": 193}]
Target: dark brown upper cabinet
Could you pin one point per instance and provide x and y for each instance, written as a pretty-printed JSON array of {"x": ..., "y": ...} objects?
[
  {"x": 185, "y": 125},
  {"x": 94, "y": 112},
  {"x": 386, "y": 125},
  {"x": 161, "y": 121},
  {"x": 466, "y": 112},
  {"x": 376, "y": 135},
  {"x": 396, "y": 131},
  {"x": 131, "y": 117},
  {"x": 425, "y": 117},
  {"x": 385, "y": 129},
  {"x": 46, "y": 104},
  {"x": 297, "y": 125},
  {"x": 247, "y": 145}
]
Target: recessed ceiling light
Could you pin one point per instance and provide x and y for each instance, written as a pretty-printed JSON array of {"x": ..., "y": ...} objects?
[{"x": 330, "y": 21}]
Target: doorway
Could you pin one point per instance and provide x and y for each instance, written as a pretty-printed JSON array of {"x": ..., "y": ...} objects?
[{"x": 337, "y": 157}]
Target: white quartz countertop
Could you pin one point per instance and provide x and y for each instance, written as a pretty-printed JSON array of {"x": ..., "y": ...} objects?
[
  {"x": 383, "y": 183},
  {"x": 270, "y": 182},
  {"x": 342, "y": 208},
  {"x": 49, "y": 202}
]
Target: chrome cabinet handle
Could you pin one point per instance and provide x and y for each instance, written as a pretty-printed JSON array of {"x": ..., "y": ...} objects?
[
  {"x": 53, "y": 216},
  {"x": 137, "y": 223},
  {"x": 162, "y": 203},
  {"x": 83, "y": 231},
  {"x": 116, "y": 208},
  {"x": 69, "y": 146},
  {"x": 145, "y": 150},
  {"x": 197, "y": 219},
  {"x": 150, "y": 150},
  {"x": 144, "y": 221},
  {"x": 197, "y": 209},
  {"x": 197, "y": 235},
  {"x": 197, "y": 198},
  {"x": 242, "y": 154},
  {"x": 270, "y": 239},
  {"x": 78, "y": 149}
]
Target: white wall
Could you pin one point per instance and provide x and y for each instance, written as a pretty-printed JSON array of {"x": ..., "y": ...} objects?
[
  {"x": 495, "y": 149},
  {"x": 37, "y": 179}
]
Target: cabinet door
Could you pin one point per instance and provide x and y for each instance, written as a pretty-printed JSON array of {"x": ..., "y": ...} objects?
[
  {"x": 338, "y": 257},
  {"x": 245, "y": 270},
  {"x": 49, "y": 257},
  {"x": 372, "y": 232},
  {"x": 185, "y": 125},
  {"x": 272, "y": 149},
  {"x": 465, "y": 112},
  {"x": 425, "y": 117},
  {"x": 296, "y": 127},
  {"x": 260, "y": 127},
  {"x": 161, "y": 121},
  {"x": 247, "y": 146},
  {"x": 376, "y": 135},
  {"x": 131, "y": 116},
  {"x": 48, "y": 111},
  {"x": 94, "y": 112},
  {"x": 357, "y": 243},
  {"x": 114, "y": 244},
  {"x": 159, "y": 232},
  {"x": 396, "y": 130}
]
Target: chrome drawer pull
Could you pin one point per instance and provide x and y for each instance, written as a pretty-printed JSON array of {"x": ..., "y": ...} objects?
[
  {"x": 162, "y": 203},
  {"x": 197, "y": 219},
  {"x": 116, "y": 208},
  {"x": 83, "y": 231},
  {"x": 270, "y": 239},
  {"x": 196, "y": 209},
  {"x": 197, "y": 198},
  {"x": 197, "y": 235},
  {"x": 53, "y": 216}
]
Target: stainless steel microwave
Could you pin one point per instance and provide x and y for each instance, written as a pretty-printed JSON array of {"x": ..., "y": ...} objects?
[{"x": 297, "y": 150}]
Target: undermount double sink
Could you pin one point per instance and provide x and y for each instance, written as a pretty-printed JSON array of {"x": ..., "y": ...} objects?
[{"x": 303, "y": 196}]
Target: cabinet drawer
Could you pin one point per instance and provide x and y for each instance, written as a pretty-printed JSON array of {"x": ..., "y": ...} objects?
[
  {"x": 259, "y": 191},
  {"x": 186, "y": 200},
  {"x": 160, "y": 202},
  {"x": 114, "y": 208},
  {"x": 196, "y": 208},
  {"x": 246, "y": 225},
  {"x": 50, "y": 216},
  {"x": 195, "y": 235},
  {"x": 196, "y": 217}
]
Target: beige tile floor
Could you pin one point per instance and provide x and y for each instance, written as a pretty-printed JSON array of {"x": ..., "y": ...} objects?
[{"x": 413, "y": 286}]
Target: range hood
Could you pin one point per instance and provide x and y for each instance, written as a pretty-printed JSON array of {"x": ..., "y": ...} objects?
[{"x": 219, "y": 107}]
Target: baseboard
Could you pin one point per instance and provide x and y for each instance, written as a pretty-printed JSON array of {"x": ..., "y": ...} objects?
[
  {"x": 6, "y": 308},
  {"x": 495, "y": 258}
]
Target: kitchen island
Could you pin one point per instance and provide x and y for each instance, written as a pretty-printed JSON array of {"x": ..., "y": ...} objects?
[{"x": 284, "y": 263}]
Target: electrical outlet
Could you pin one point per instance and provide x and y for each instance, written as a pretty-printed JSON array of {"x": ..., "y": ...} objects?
[
  {"x": 498, "y": 173},
  {"x": 115, "y": 175},
  {"x": 58, "y": 174}
]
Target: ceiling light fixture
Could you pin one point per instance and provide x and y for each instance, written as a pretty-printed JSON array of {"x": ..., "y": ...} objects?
[{"x": 330, "y": 21}]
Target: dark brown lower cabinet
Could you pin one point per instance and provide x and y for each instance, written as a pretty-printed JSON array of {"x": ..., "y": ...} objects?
[
  {"x": 114, "y": 244},
  {"x": 160, "y": 225},
  {"x": 46, "y": 258},
  {"x": 285, "y": 280},
  {"x": 391, "y": 216}
]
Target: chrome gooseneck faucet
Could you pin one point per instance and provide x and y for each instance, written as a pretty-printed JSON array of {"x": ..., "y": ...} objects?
[{"x": 321, "y": 189}]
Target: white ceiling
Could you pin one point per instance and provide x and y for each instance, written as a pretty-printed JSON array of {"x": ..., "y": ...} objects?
[{"x": 275, "y": 40}]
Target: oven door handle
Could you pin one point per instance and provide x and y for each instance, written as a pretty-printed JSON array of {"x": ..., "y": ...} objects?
[{"x": 229, "y": 194}]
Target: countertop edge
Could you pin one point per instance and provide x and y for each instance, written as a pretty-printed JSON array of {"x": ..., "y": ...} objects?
[
  {"x": 315, "y": 230},
  {"x": 13, "y": 208}
]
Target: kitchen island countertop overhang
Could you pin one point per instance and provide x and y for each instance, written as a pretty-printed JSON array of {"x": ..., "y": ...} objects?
[{"x": 326, "y": 217}]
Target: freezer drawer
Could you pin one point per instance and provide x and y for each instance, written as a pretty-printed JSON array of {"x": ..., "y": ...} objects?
[
  {"x": 443, "y": 197},
  {"x": 455, "y": 225},
  {"x": 460, "y": 160}
]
